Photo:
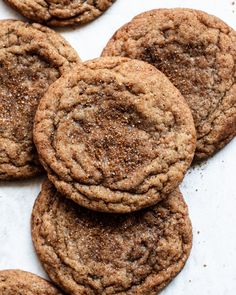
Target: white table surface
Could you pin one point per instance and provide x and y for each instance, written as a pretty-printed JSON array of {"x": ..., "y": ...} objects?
[{"x": 208, "y": 189}]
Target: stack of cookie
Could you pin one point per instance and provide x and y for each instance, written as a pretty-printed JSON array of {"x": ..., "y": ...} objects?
[{"x": 116, "y": 137}]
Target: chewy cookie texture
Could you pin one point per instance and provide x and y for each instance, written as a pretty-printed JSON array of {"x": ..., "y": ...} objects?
[
  {"x": 87, "y": 252},
  {"x": 18, "y": 282},
  {"x": 61, "y": 13},
  {"x": 31, "y": 58},
  {"x": 197, "y": 52},
  {"x": 114, "y": 135}
]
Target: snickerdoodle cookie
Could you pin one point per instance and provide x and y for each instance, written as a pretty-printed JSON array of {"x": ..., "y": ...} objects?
[
  {"x": 61, "y": 13},
  {"x": 114, "y": 135},
  {"x": 197, "y": 52},
  {"x": 19, "y": 282},
  {"x": 86, "y": 252},
  {"x": 31, "y": 58}
]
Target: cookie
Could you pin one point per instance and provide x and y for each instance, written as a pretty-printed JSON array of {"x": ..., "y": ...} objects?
[
  {"x": 31, "y": 58},
  {"x": 115, "y": 135},
  {"x": 17, "y": 282},
  {"x": 61, "y": 13},
  {"x": 197, "y": 52},
  {"x": 86, "y": 252}
]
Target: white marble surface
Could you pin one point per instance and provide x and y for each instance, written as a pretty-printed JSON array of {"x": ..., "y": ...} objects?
[{"x": 209, "y": 189}]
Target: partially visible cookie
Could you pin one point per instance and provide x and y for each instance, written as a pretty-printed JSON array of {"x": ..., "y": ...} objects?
[
  {"x": 197, "y": 52},
  {"x": 114, "y": 135},
  {"x": 18, "y": 282},
  {"x": 86, "y": 252},
  {"x": 61, "y": 13},
  {"x": 31, "y": 58}
]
